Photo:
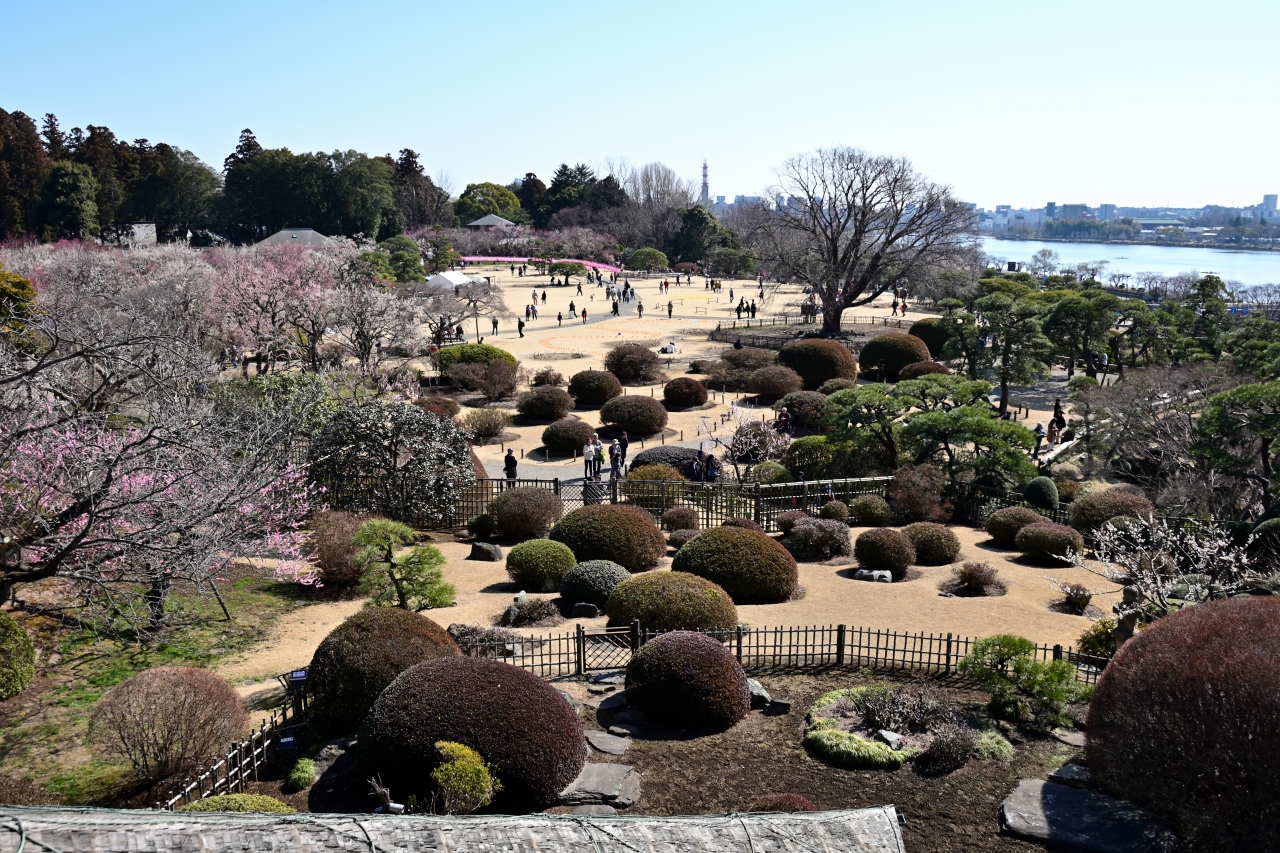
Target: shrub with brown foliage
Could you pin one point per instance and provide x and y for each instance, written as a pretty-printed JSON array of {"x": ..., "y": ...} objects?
[
  {"x": 331, "y": 535},
  {"x": 748, "y": 358},
  {"x": 922, "y": 368},
  {"x": 1184, "y": 720},
  {"x": 915, "y": 493},
  {"x": 818, "y": 360},
  {"x": 680, "y": 518},
  {"x": 594, "y": 387},
  {"x": 870, "y": 511},
  {"x": 807, "y": 408},
  {"x": 1046, "y": 543},
  {"x": 439, "y": 405},
  {"x": 1091, "y": 511},
  {"x": 168, "y": 719},
  {"x": 626, "y": 535},
  {"x": 486, "y": 423},
  {"x": 527, "y": 512},
  {"x": 495, "y": 381},
  {"x": 640, "y": 416},
  {"x": 359, "y": 658},
  {"x": 744, "y": 523},
  {"x": 688, "y": 679},
  {"x": 545, "y": 403},
  {"x": 679, "y": 538},
  {"x": 1003, "y": 524},
  {"x": 684, "y": 393},
  {"x": 935, "y": 544},
  {"x": 951, "y": 748},
  {"x": 975, "y": 578},
  {"x": 1076, "y": 596},
  {"x": 671, "y": 601},
  {"x": 831, "y": 386},
  {"x": 1068, "y": 490},
  {"x": 515, "y": 720},
  {"x": 782, "y": 803},
  {"x": 884, "y": 356},
  {"x": 834, "y": 510},
  {"x": 747, "y": 564},
  {"x": 787, "y": 520},
  {"x": 567, "y": 435},
  {"x": 774, "y": 382},
  {"x": 547, "y": 376},
  {"x": 886, "y": 550},
  {"x": 633, "y": 364},
  {"x": 818, "y": 539}
]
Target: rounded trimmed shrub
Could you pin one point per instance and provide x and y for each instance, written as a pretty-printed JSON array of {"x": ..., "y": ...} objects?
[
  {"x": 935, "y": 544},
  {"x": 884, "y": 356},
  {"x": 633, "y": 363},
  {"x": 567, "y": 435},
  {"x": 812, "y": 454},
  {"x": 359, "y": 658},
  {"x": 255, "y": 803},
  {"x": 883, "y": 549},
  {"x": 782, "y": 803},
  {"x": 1184, "y": 720},
  {"x": 17, "y": 657},
  {"x": 818, "y": 539},
  {"x": 684, "y": 393},
  {"x": 870, "y": 511},
  {"x": 787, "y": 520},
  {"x": 1264, "y": 541},
  {"x": 922, "y": 368},
  {"x": 1041, "y": 493},
  {"x": 774, "y": 382},
  {"x": 679, "y": 538},
  {"x": 834, "y": 510},
  {"x": 932, "y": 332},
  {"x": 545, "y": 403},
  {"x": 481, "y": 526},
  {"x": 665, "y": 454},
  {"x": 655, "y": 472},
  {"x": 680, "y": 518},
  {"x": 807, "y": 408},
  {"x": 640, "y": 415},
  {"x": 688, "y": 679},
  {"x": 744, "y": 523},
  {"x": 439, "y": 405},
  {"x": 749, "y": 358},
  {"x": 1003, "y": 524},
  {"x": 526, "y": 512},
  {"x": 594, "y": 387},
  {"x": 472, "y": 354},
  {"x": 515, "y": 720},
  {"x": 769, "y": 472},
  {"x": 1045, "y": 542},
  {"x": 672, "y": 601},
  {"x": 831, "y": 386},
  {"x": 624, "y": 534},
  {"x": 1094, "y": 509},
  {"x": 818, "y": 360},
  {"x": 750, "y": 566},
  {"x": 547, "y": 376},
  {"x": 592, "y": 582},
  {"x": 540, "y": 565}
]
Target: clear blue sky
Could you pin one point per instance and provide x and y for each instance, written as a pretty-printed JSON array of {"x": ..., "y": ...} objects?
[{"x": 1010, "y": 102}]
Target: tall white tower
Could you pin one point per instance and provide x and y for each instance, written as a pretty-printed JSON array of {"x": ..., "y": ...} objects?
[{"x": 705, "y": 201}]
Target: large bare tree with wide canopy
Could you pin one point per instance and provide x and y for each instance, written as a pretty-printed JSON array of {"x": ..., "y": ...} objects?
[{"x": 852, "y": 226}]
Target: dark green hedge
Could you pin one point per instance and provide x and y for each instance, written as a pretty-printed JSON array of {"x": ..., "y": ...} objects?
[
  {"x": 672, "y": 601},
  {"x": 626, "y": 535},
  {"x": 750, "y": 566}
]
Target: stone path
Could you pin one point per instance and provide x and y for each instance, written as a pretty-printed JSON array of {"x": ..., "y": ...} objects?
[{"x": 1086, "y": 821}]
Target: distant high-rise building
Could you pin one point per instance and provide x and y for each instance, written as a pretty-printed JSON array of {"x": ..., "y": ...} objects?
[
  {"x": 706, "y": 188},
  {"x": 1051, "y": 210},
  {"x": 1074, "y": 211},
  {"x": 1106, "y": 211},
  {"x": 1269, "y": 203}
]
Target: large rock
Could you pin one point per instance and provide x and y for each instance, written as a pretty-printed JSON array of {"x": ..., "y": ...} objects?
[
  {"x": 336, "y": 759},
  {"x": 607, "y": 743},
  {"x": 584, "y": 610},
  {"x": 615, "y": 785},
  {"x": 759, "y": 696},
  {"x": 877, "y": 577},
  {"x": 1075, "y": 775},
  {"x": 485, "y": 551},
  {"x": 1078, "y": 820}
]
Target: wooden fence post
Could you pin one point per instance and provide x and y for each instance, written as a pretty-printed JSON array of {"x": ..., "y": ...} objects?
[
  {"x": 555, "y": 486},
  {"x": 635, "y": 636},
  {"x": 840, "y": 630},
  {"x": 738, "y": 642},
  {"x": 582, "y": 649},
  {"x": 1057, "y": 651},
  {"x": 756, "y": 495},
  {"x": 613, "y": 490},
  {"x": 947, "y": 668}
]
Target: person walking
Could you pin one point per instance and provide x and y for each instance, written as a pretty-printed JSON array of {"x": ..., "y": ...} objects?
[
  {"x": 640, "y": 309},
  {"x": 495, "y": 325},
  {"x": 623, "y": 444},
  {"x": 544, "y": 297},
  {"x": 579, "y": 288},
  {"x": 573, "y": 308},
  {"x": 520, "y": 327},
  {"x": 559, "y": 318},
  {"x": 671, "y": 309},
  {"x": 753, "y": 309},
  {"x": 584, "y": 316},
  {"x": 615, "y": 460},
  {"x": 509, "y": 467},
  {"x": 588, "y": 460},
  {"x": 1039, "y": 434}
]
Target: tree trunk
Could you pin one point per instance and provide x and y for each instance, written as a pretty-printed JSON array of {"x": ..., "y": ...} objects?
[
  {"x": 154, "y": 598},
  {"x": 1266, "y": 472},
  {"x": 831, "y": 314}
]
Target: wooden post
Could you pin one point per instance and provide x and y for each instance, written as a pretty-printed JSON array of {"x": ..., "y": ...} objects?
[
  {"x": 582, "y": 648},
  {"x": 662, "y": 498},
  {"x": 635, "y": 636},
  {"x": 947, "y": 668},
  {"x": 1057, "y": 651},
  {"x": 840, "y": 631},
  {"x": 555, "y": 485},
  {"x": 737, "y": 630},
  {"x": 756, "y": 495}
]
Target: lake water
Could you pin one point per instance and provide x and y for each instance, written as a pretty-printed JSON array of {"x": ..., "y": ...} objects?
[{"x": 1245, "y": 267}]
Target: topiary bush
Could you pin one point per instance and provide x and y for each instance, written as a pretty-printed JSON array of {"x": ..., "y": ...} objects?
[
  {"x": 807, "y": 408},
  {"x": 932, "y": 332},
  {"x": 818, "y": 360},
  {"x": 665, "y": 454},
  {"x": 168, "y": 719},
  {"x": 567, "y": 435},
  {"x": 17, "y": 657},
  {"x": 539, "y": 565},
  {"x": 655, "y": 472},
  {"x": 680, "y": 518},
  {"x": 547, "y": 376},
  {"x": 769, "y": 472},
  {"x": 331, "y": 534},
  {"x": 870, "y": 511},
  {"x": 486, "y": 423},
  {"x": 679, "y": 538},
  {"x": 935, "y": 544},
  {"x": 1184, "y": 720},
  {"x": 744, "y": 523},
  {"x": 834, "y": 510},
  {"x": 922, "y": 368},
  {"x": 359, "y": 658},
  {"x": 884, "y": 356},
  {"x": 1046, "y": 543},
  {"x": 633, "y": 364},
  {"x": 818, "y": 539},
  {"x": 787, "y": 520},
  {"x": 831, "y": 386},
  {"x": 1090, "y": 511},
  {"x": 625, "y": 534},
  {"x": 915, "y": 493},
  {"x": 884, "y": 549},
  {"x": 545, "y": 403},
  {"x": 671, "y": 601},
  {"x": 439, "y": 405},
  {"x": 594, "y": 387},
  {"x": 592, "y": 582},
  {"x": 812, "y": 454},
  {"x": 253, "y": 803},
  {"x": 750, "y": 566},
  {"x": 978, "y": 579},
  {"x": 684, "y": 393},
  {"x": 471, "y": 354},
  {"x": 640, "y": 415},
  {"x": 520, "y": 725},
  {"x": 774, "y": 382},
  {"x": 1041, "y": 493},
  {"x": 748, "y": 358},
  {"x": 1003, "y": 524},
  {"x": 688, "y": 680},
  {"x": 526, "y": 512},
  {"x": 782, "y": 803},
  {"x": 481, "y": 526}
]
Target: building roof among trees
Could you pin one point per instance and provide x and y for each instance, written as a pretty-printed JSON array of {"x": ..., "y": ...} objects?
[
  {"x": 490, "y": 220},
  {"x": 873, "y": 830},
  {"x": 295, "y": 237}
]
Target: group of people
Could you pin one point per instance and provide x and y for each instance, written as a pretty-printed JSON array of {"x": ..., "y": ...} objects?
[
  {"x": 1056, "y": 425},
  {"x": 744, "y": 307},
  {"x": 703, "y": 468},
  {"x": 593, "y": 457}
]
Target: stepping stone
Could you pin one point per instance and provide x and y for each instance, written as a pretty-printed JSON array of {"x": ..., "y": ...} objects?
[
  {"x": 629, "y": 794},
  {"x": 593, "y": 702},
  {"x": 616, "y": 678},
  {"x": 624, "y": 730},
  {"x": 596, "y": 810},
  {"x": 614, "y": 703},
  {"x": 607, "y": 743},
  {"x": 1075, "y": 775},
  {"x": 600, "y": 689},
  {"x": 1071, "y": 737},
  {"x": 759, "y": 696},
  {"x": 597, "y": 784},
  {"x": 1084, "y": 821},
  {"x": 629, "y": 718},
  {"x": 485, "y": 551}
]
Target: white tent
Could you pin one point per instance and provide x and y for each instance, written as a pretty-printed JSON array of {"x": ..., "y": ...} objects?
[{"x": 452, "y": 278}]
